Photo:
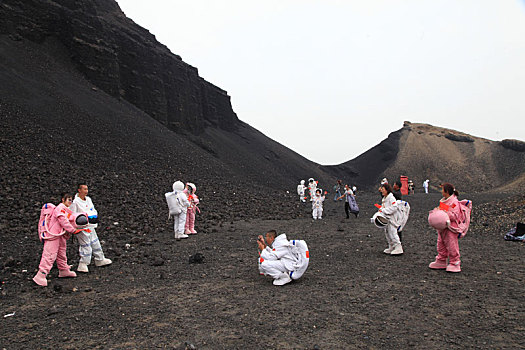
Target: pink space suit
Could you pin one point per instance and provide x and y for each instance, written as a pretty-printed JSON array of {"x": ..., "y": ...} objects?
[
  {"x": 447, "y": 242},
  {"x": 59, "y": 228},
  {"x": 190, "y": 213}
]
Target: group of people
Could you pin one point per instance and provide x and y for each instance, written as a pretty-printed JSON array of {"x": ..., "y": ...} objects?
[
  {"x": 76, "y": 216},
  {"x": 279, "y": 259},
  {"x": 182, "y": 205}
]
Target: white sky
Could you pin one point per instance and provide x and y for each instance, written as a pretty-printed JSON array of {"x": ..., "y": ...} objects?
[{"x": 330, "y": 79}]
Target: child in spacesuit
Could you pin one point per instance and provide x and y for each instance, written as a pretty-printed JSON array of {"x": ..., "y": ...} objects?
[
  {"x": 301, "y": 189},
  {"x": 54, "y": 230},
  {"x": 317, "y": 205},
  {"x": 312, "y": 186},
  {"x": 190, "y": 214}
]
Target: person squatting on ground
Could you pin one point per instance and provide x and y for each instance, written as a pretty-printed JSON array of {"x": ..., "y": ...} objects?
[
  {"x": 301, "y": 189},
  {"x": 88, "y": 242},
  {"x": 317, "y": 205},
  {"x": 55, "y": 226},
  {"x": 337, "y": 188},
  {"x": 312, "y": 186},
  {"x": 282, "y": 259},
  {"x": 454, "y": 225},
  {"x": 350, "y": 202},
  {"x": 178, "y": 205},
  {"x": 189, "y": 227},
  {"x": 396, "y": 219}
]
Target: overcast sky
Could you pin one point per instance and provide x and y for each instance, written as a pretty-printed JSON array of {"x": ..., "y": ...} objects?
[{"x": 331, "y": 79}]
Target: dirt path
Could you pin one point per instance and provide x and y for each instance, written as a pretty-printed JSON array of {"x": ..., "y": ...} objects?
[{"x": 352, "y": 296}]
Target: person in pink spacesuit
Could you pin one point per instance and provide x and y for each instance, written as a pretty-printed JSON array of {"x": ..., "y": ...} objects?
[
  {"x": 447, "y": 242},
  {"x": 190, "y": 214},
  {"x": 57, "y": 228}
]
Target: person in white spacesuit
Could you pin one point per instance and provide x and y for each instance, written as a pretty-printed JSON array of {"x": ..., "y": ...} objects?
[
  {"x": 395, "y": 214},
  {"x": 88, "y": 242},
  {"x": 312, "y": 186},
  {"x": 178, "y": 205},
  {"x": 317, "y": 205},
  {"x": 282, "y": 259},
  {"x": 301, "y": 189},
  {"x": 425, "y": 185}
]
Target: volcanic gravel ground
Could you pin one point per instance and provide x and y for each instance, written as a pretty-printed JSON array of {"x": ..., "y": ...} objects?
[{"x": 352, "y": 295}]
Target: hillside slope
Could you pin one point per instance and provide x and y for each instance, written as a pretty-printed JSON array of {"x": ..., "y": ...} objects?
[{"x": 422, "y": 151}]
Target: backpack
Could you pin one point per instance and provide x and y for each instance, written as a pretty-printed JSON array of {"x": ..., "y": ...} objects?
[
  {"x": 461, "y": 227},
  {"x": 45, "y": 217},
  {"x": 301, "y": 252},
  {"x": 174, "y": 205}
]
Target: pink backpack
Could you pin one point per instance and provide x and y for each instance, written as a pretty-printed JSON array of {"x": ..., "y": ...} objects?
[
  {"x": 45, "y": 218},
  {"x": 461, "y": 227}
]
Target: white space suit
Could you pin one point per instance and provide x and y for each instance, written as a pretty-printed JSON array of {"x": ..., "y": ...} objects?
[
  {"x": 181, "y": 207},
  {"x": 317, "y": 207},
  {"x": 425, "y": 185},
  {"x": 301, "y": 189},
  {"x": 397, "y": 214},
  {"x": 285, "y": 260},
  {"x": 88, "y": 242},
  {"x": 312, "y": 186}
]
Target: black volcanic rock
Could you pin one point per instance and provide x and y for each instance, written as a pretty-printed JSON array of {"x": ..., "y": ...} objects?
[{"x": 124, "y": 60}]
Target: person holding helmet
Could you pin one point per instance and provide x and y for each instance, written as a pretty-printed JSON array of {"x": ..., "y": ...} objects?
[{"x": 396, "y": 219}]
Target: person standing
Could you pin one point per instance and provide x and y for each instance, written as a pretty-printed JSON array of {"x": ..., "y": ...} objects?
[
  {"x": 425, "y": 185},
  {"x": 57, "y": 230},
  {"x": 88, "y": 242},
  {"x": 390, "y": 210},
  {"x": 301, "y": 189},
  {"x": 448, "y": 241},
  {"x": 337, "y": 189},
  {"x": 317, "y": 205},
  {"x": 350, "y": 202}
]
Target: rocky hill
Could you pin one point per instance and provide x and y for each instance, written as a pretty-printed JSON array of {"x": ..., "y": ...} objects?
[{"x": 422, "y": 151}]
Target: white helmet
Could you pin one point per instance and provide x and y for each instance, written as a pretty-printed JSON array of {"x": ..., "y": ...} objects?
[
  {"x": 379, "y": 220},
  {"x": 302, "y": 182},
  {"x": 192, "y": 185},
  {"x": 178, "y": 186},
  {"x": 311, "y": 179}
]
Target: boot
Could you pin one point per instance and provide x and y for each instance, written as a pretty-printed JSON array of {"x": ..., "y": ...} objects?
[
  {"x": 398, "y": 250},
  {"x": 438, "y": 264},
  {"x": 454, "y": 267},
  {"x": 193, "y": 232},
  {"x": 82, "y": 267},
  {"x": 40, "y": 278},
  {"x": 187, "y": 231},
  {"x": 389, "y": 249},
  {"x": 66, "y": 273},
  {"x": 282, "y": 280},
  {"x": 103, "y": 262}
]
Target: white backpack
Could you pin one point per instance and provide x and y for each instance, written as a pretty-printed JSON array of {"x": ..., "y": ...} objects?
[
  {"x": 300, "y": 250},
  {"x": 174, "y": 204}
]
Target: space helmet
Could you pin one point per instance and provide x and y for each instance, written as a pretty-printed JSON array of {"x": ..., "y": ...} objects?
[
  {"x": 192, "y": 185},
  {"x": 379, "y": 220},
  {"x": 438, "y": 219},
  {"x": 178, "y": 186}
]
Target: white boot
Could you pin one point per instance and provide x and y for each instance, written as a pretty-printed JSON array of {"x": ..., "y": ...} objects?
[
  {"x": 82, "y": 267},
  {"x": 398, "y": 250},
  {"x": 389, "y": 249},
  {"x": 103, "y": 262},
  {"x": 282, "y": 280}
]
